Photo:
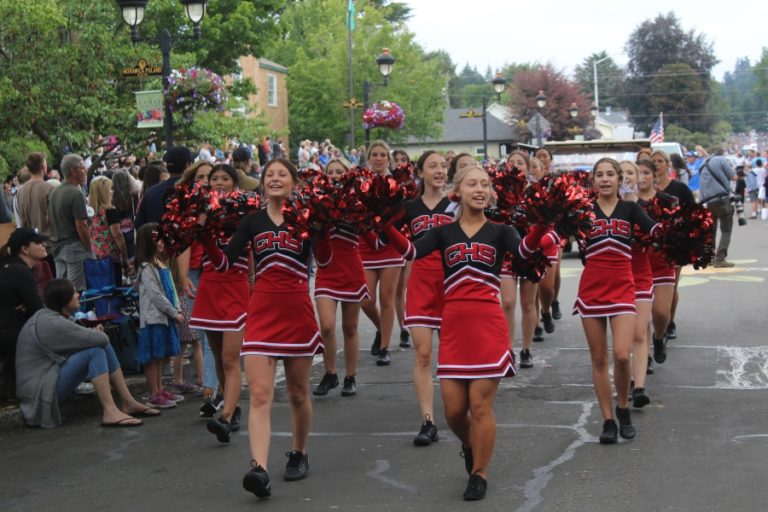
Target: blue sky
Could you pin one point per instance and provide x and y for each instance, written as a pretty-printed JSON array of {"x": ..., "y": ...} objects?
[{"x": 495, "y": 32}]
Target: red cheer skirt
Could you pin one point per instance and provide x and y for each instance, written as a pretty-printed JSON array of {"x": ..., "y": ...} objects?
[
  {"x": 424, "y": 297},
  {"x": 281, "y": 325},
  {"x": 474, "y": 341},
  {"x": 606, "y": 288},
  {"x": 221, "y": 301},
  {"x": 663, "y": 271}
]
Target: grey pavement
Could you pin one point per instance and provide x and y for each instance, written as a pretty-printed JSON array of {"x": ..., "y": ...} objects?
[{"x": 702, "y": 443}]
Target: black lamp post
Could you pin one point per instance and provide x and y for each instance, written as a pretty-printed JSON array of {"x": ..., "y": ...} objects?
[
  {"x": 499, "y": 84},
  {"x": 593, "y": 111},
  {"x": 133, "y": 12},
  {"x": 574, "y": 112},
  {"x": 386, "y": 63},
  {"x": 541, "y": 101}
]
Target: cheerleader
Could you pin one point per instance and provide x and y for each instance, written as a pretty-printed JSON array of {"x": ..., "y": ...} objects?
[
  {"x": 663, "y": 271},
  {"x": 474, "y": 342},
  {"x": 400, "y": 157},
  {"x": 643, "y": 277},
  {"x": 607, "y": 295},
  {"x": 341, "y": 281},
  {"x": 546, "y": 288},
  {"x": 685, "y": 197},
  {"x": 382, "y": 270},
  {"x": 424, "y": 299},
  {"x": 219, "y": 310},
  {"x": 509, "y": 283},
  {"x": 280, "y": 325},
  {"x": 544, "y": 155}
]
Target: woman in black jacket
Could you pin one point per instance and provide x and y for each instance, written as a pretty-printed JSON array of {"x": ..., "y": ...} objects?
[{"x": 19, "y": 296}]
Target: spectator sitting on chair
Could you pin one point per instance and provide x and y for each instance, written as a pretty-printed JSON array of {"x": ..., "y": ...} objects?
[
  {"x": 19, "y": 296},
  {"x": 55, "y": 354},
  {"x": 69, "y": 221}
]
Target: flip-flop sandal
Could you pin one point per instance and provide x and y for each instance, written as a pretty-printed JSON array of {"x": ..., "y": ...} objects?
[
  {"x": 149, "y": 412},
  {"x": 125, "y": 422}
]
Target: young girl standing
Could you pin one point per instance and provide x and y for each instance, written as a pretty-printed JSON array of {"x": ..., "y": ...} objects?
[
  {"x": 643, "y": 277},
  {"x": 424, "y": 296},
  {"x": 607, "y": 294},
  {"x": 382, "y": 270},
  {"x": 474, "y": 343},
  {"x": 280, "y": 323},
  {"x": 220, "y": 310},
  {"x": 341, "y": 281},
  {"x": 158, "y": 313}
]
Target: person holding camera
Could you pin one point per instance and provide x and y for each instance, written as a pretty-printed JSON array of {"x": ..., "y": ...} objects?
[{"x": 715, "y": 192}]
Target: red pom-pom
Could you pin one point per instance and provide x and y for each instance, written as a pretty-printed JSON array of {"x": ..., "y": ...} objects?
[
  {"x": 178, "y": 227},
  {"x": 532, "y": 268},
  {"x": 688, "y": 236},
  {"x": 314, "y": 205},
  {"x": 225, "y": 211},
  {"x": 561, "y": 201}
]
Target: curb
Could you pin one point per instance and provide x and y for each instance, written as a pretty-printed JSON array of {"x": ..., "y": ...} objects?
[{"x": 75, "y": 405}]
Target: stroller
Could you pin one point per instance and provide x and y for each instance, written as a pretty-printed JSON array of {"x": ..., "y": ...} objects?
[{"x": 116, "y": 308}]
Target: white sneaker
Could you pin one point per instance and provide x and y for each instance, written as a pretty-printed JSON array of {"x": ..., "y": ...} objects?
[{"x": 85, "y": 388}]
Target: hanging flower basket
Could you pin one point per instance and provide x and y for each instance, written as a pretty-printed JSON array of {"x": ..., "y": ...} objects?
[
  {"x": 195, "y": 89},
  {"x": 384, "y": 114}
]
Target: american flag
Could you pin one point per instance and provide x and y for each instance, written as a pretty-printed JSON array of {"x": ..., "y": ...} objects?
[{"x": 657, "y": 134}]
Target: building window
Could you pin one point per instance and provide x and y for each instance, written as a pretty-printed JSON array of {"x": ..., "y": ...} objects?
[
  {"x": 272, "y": 90},
  {"x": 479, "y": 151},
  {"x": 238, "y": 74}
]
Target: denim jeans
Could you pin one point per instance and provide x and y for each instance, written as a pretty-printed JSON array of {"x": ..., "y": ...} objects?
[
  {"x": 90, "y": 362},
  {"x": 209, "y": 363}
]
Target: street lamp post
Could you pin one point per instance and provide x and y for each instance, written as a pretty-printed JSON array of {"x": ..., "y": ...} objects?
[
  {"x": 594, "y": 76},
  {"x": 541, "y": 101},
  {"x": 133, "y": 12},
  {"x": 499, "y": 84},
  {"x": 386, "y": 62},
  {"x": 593, "y": 111}
]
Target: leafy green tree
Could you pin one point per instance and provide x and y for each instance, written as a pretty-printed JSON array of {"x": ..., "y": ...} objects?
[
  {"x": 316, "y": 56},
  {"x": 60, "y": 63},
  {"x": 610, "y": 79},
  {"x": 680, "y": 97},
  {"x": 739, "y": 92},
  {"x": 651, "y": 46},
  {"x": 761, "y": 92}
]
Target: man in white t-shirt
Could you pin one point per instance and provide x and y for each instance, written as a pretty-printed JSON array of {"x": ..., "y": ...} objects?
[{"x": 760, "y": 171}]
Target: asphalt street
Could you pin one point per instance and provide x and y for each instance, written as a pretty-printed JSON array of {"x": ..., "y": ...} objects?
[{"x": 702, "y": 444}]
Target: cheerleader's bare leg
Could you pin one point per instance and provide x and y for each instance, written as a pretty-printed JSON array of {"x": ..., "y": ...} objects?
[
  {"x": 260, "y": 375},
  {"x": 326, "y": 312},
  {"x": 455, "y": 393},
  {"x": 369, "y": 305},
  {"x": 422, "y": 370},
  {"x": 622, "y": 332},
  {"x": 350, "y": 316},
  {"x": 297, "y": 372},
  {"x": 232, "y": 342},
  {"x": 530, "y": 318},
  {"x": 546, "y": 290},
  {"x": 662, "y": 307},
  {"x": 387, "y": 286},
  {"x": 508, "y": 292},
  {"x": 595, "y": 330},
  {"x": 482, "y": 431},
  {"x": 640, "y": 345}
]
